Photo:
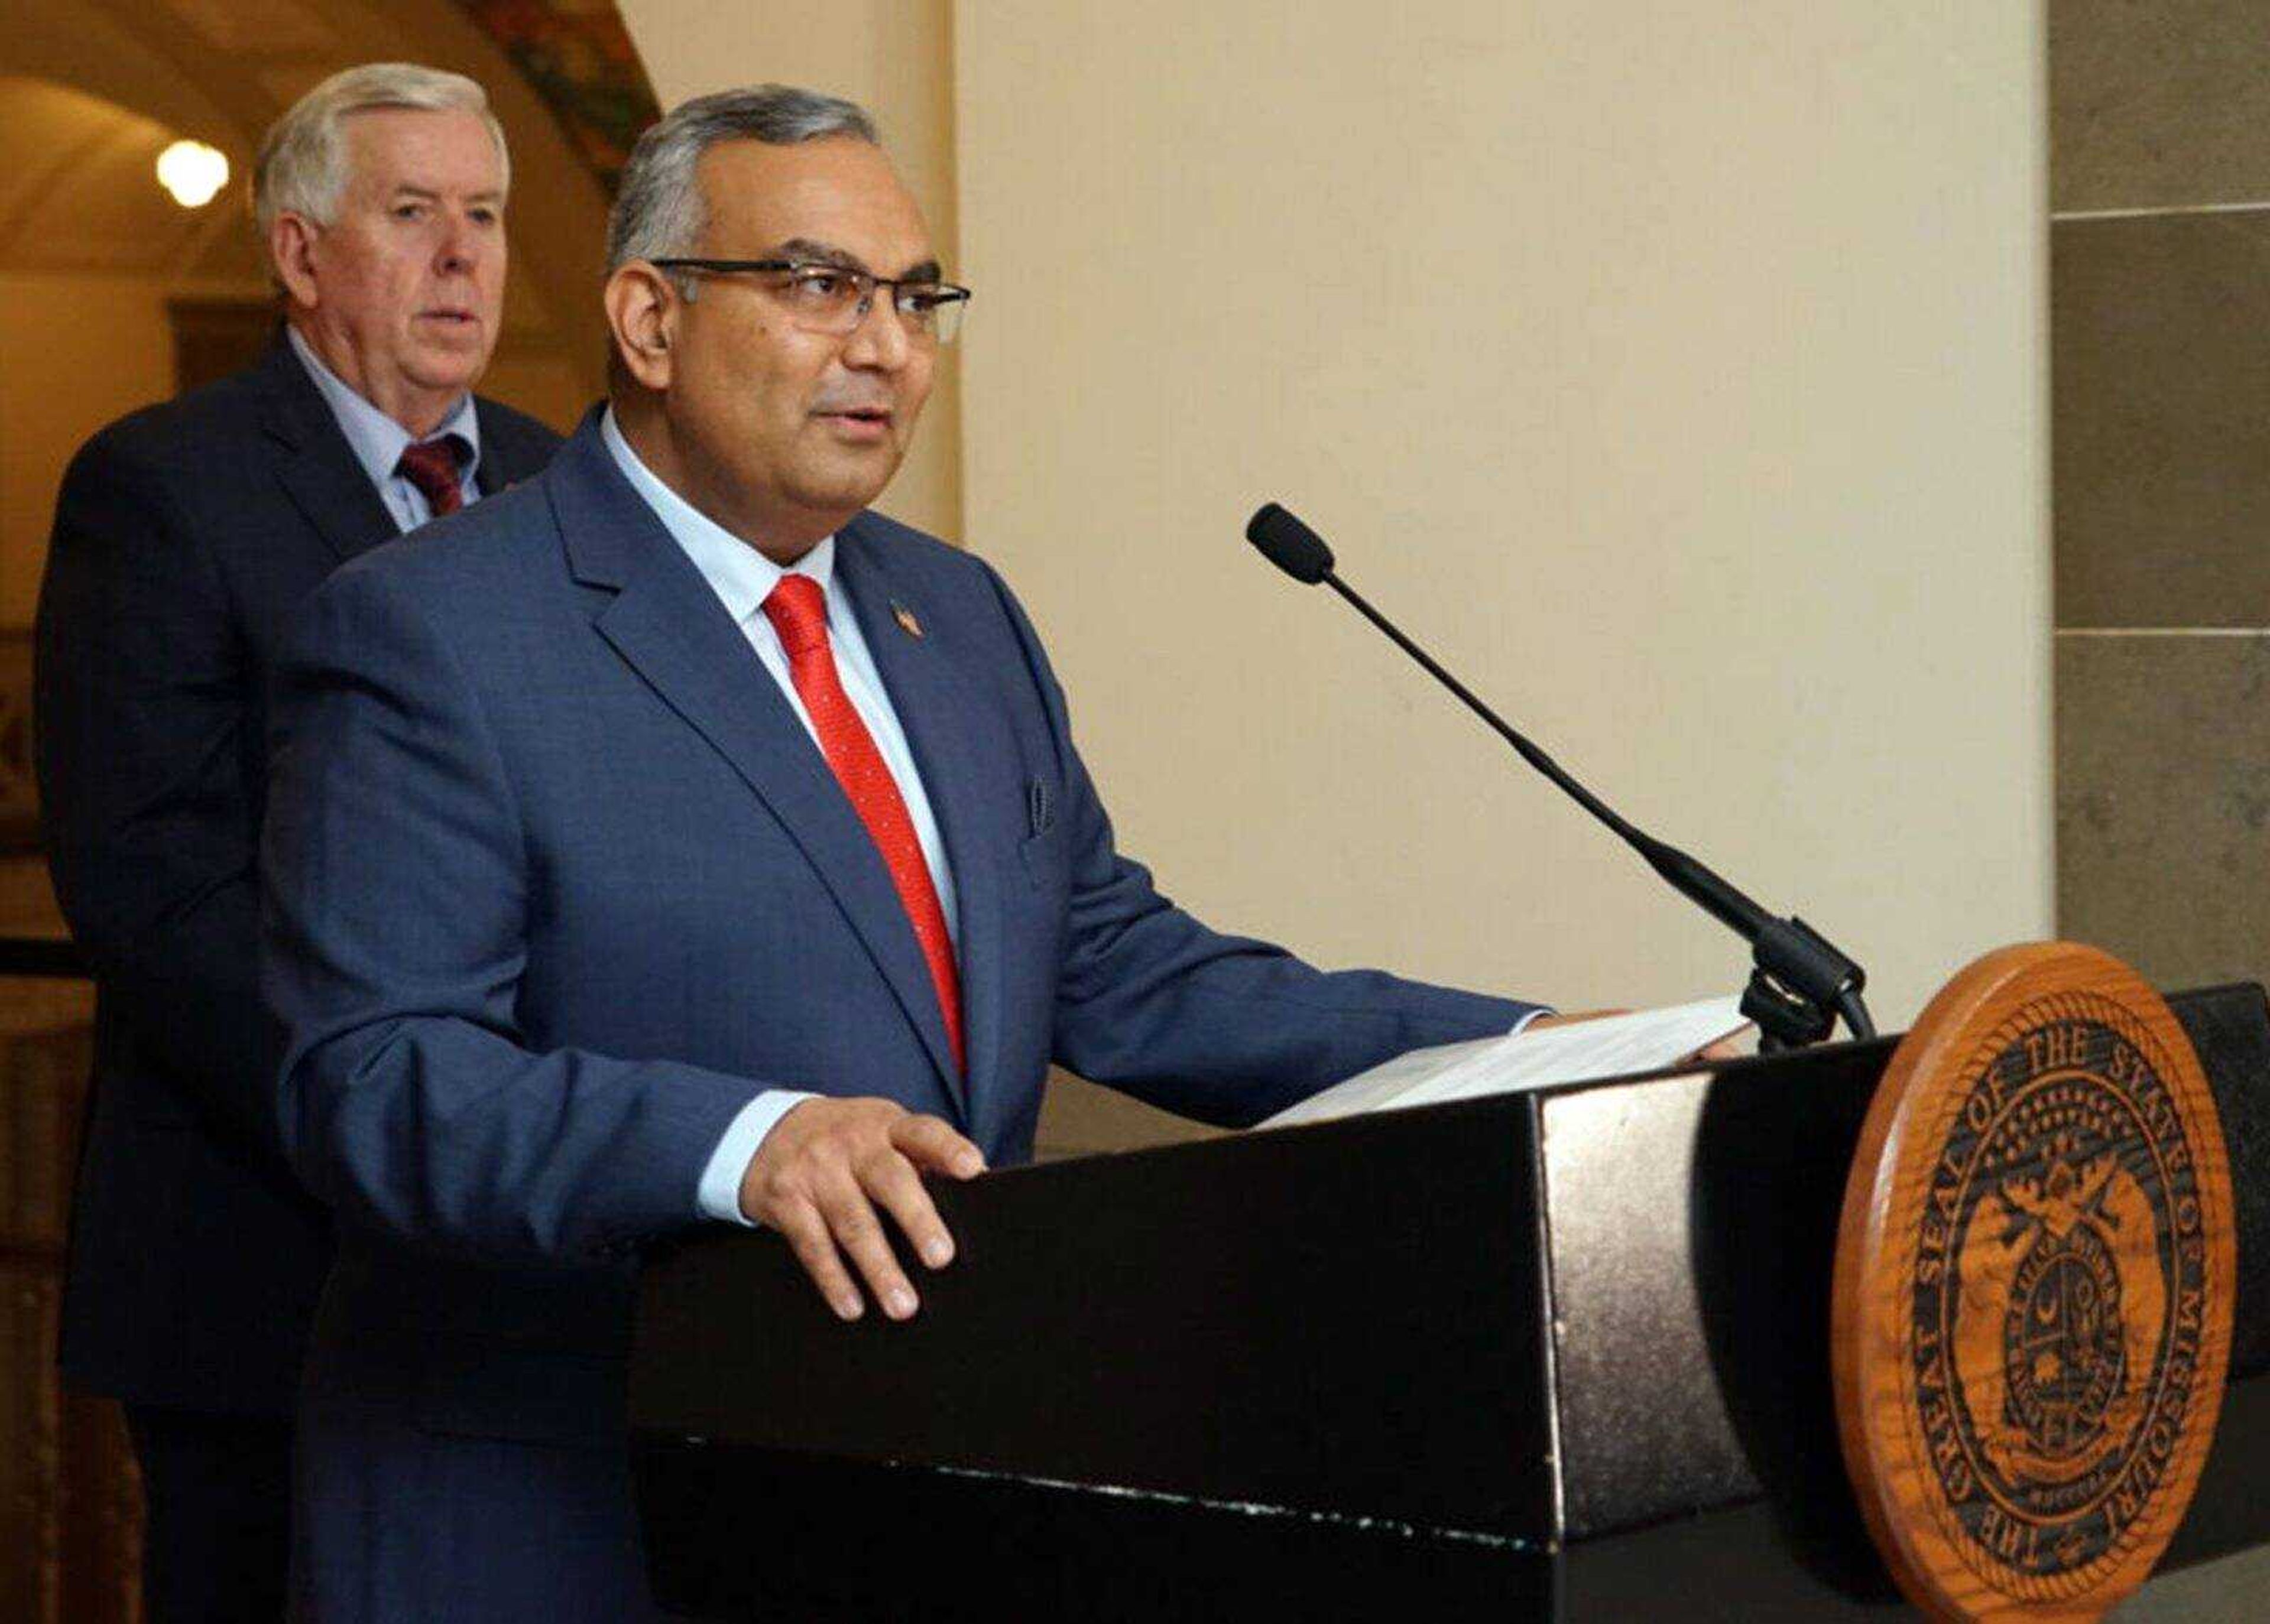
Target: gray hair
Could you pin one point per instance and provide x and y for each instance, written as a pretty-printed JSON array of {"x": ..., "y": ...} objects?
[
  {"x": 301, "y": 167},
  {"x": 658, "y": 212}
]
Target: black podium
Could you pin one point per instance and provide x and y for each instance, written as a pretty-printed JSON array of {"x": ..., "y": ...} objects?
[{"x": 1561, "y": 1354}]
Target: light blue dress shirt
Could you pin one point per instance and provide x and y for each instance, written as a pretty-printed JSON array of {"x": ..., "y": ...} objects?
[
  {"x": 377, "y": 439},
  {"x": 742, "y": 578}
]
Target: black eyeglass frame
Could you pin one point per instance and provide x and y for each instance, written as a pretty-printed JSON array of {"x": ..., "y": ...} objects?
[{"x": 944, "y": 292}]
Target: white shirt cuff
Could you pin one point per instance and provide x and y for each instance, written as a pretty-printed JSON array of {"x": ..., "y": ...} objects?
[
  {"x": 1522, "y": 1024},
  {"x": 719, "y": 1193}
]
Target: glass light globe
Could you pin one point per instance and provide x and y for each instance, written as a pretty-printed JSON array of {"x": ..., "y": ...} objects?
[{"x": 193, "y": 173}]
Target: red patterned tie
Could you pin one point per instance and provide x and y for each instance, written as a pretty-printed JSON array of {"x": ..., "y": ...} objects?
[
  {"x": 433, "y": 465},
  {"x": 797, "y": 608}
]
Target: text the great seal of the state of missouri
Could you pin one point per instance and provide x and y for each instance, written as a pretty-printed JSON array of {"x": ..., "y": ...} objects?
[
  {"x": 2031, "y": 1313},
  {"x": 2058, "y": 1299}
]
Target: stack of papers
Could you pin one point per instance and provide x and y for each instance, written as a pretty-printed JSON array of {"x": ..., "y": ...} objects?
[{"x": 1611, "y": 1046}]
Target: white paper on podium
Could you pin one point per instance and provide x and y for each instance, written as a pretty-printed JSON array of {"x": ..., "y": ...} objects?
[{"x": 1611, "y": 1046}]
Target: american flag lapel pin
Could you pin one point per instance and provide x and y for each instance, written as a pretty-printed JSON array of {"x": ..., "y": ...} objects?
[{"x": 905, "y": 616}]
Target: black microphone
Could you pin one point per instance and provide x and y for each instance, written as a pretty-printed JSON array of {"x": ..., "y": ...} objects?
[
  {"x": 1800, "y": 981},
  {"x": 1289, "y": 545}
]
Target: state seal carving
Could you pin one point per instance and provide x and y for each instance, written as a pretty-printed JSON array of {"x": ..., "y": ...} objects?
[{"x": 2034, "y": 1320}]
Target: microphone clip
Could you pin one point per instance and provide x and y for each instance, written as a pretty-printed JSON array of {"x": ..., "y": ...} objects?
[{"x": 1799, "y": 983}]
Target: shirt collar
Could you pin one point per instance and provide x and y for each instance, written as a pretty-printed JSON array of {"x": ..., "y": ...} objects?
[
  {"x": 376, "y": 439},
  {"x": 741, "y": 577}
]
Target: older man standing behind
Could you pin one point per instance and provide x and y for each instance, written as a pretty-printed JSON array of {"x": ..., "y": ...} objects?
[{"x": 184, "y": 536}]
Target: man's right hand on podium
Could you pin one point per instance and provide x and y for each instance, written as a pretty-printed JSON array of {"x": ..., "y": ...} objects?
[{"x": 824, "y": 1169}]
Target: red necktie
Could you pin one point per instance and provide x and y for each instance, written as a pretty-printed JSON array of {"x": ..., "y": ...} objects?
[
  {"x": 432, "y": 465},
  {"x": 797, "y": 608}
]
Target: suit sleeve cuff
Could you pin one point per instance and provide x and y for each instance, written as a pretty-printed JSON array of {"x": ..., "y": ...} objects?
[{"x": 719, "y": 1194}]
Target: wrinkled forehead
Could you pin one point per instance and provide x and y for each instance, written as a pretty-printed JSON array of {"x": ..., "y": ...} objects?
[
  {"x": 440, "y": 149},
  {"x": 838, "y": 192}
]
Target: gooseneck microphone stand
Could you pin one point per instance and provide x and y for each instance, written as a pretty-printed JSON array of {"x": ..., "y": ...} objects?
[{"x": 1800, "y": 983}]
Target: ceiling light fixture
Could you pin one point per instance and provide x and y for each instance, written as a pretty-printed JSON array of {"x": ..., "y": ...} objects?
[{"x": 193, "y": 173}]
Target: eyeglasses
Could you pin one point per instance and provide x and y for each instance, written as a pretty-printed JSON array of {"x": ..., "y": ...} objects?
[{"x": 835, "y": 299}]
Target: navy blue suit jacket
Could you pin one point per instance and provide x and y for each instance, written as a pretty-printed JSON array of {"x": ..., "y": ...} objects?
[
  {"x": 184, "y": 535},
  {"x": 557, "y": 882}
]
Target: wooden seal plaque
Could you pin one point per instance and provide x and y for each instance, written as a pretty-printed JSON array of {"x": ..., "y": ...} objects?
[{"x": 2032, "y": 1306}]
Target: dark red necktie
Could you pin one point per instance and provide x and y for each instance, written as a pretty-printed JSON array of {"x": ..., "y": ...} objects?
[
  {"x": 434, "y": 466},
  {"x": 797, "y": 608}
]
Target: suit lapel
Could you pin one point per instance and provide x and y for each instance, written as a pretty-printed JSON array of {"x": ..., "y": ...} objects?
[
  {"x": 319, "y": 471},
  {"x": 489, "y": 477},
  {"x": 937, "y": 704},
  {"x": 667, "y": 624}
]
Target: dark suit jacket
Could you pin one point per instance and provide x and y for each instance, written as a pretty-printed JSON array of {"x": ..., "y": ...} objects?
[
  {"x": 557, "y": 882},
  {"x": 184, "y": 536}
]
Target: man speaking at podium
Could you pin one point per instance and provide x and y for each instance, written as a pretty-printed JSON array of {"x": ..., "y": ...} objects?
[{"x": 673, "y": 838}]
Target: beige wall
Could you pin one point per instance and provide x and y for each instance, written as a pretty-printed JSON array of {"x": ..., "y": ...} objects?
[{"x": 1676, "y": 371}]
